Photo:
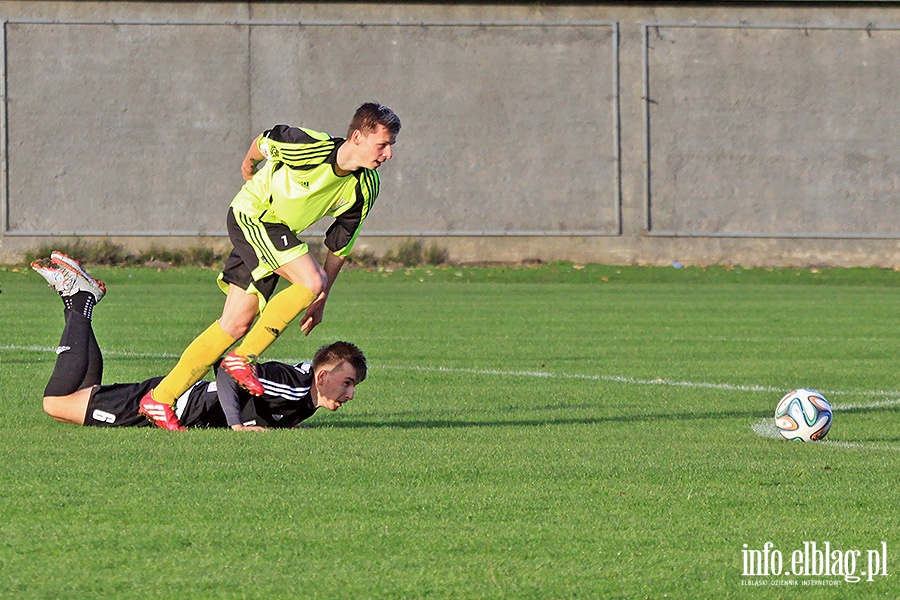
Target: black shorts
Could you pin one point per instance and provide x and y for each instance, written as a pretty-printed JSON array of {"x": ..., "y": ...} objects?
[
  {"x": 117, "y": 405},
  {"x": 259, "y": 249}
]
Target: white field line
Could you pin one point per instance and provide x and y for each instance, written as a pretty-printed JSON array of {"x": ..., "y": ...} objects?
[
  {"x": 865, "y": 445},
  {"x": 766, "y": 428},
  {"x": 763, "y": 428},
  {"x": 105, "y": 352},
  {"x": 892, "y": 395},
  {"x": 769, "y": 340}
]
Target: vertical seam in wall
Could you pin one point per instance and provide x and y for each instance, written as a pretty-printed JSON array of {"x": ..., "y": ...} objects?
[
  {"x": 4, "y": 136},
  {"x": 250, "y": 81},
  {"x": 617, "y": 127},
  {"x": 645, "y": 66}
]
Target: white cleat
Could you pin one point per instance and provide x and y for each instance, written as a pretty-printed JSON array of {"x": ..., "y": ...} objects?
[{"x": 68, "y": 277}]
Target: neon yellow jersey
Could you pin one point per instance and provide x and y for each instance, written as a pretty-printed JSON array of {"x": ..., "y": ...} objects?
[{"x": 298, "y": 186}]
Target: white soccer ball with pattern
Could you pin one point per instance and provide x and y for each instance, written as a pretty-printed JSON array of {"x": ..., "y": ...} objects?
[{"x": 803, "y": 415}]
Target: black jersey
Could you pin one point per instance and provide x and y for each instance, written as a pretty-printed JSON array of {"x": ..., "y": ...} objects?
[{"x": 286, "y": 399}]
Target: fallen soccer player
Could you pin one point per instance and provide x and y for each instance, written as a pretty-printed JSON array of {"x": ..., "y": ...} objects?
[{"x": 75, "y": 393}]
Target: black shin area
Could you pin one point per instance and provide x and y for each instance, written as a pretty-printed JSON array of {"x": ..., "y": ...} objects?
[{"x": 75, "y": 358}]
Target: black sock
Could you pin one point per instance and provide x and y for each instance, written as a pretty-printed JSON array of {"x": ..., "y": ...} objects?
[
  {"x": 81, "y": 302},
  {"x": 75, "y": 358},
  {"x": 94, "y": 373}
]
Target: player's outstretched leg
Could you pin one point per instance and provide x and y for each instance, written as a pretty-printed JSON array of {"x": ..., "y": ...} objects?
[{"x": 79, "y": 361}]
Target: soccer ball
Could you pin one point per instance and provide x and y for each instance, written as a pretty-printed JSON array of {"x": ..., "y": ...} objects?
[{"x": 803, "y": 415}]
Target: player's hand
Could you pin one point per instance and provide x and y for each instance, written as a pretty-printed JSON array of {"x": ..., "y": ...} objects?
[
  {"x": 249, "y": 168},
  {"x": 250, "y": 164},
  {"x": 240, "y": 427},
  {"x": 314, "y": 314}
]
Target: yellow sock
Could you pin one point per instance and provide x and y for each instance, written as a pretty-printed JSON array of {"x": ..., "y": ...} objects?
[
  {"x": 281, "y": 310},
  {"x": 194, "y": 363}
]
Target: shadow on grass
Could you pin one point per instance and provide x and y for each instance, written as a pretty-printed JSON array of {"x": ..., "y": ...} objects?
[
  {"x": 887, "y": 440},
  {"x": 438, "y": 423},
  {"x": 435, "y": 422}
]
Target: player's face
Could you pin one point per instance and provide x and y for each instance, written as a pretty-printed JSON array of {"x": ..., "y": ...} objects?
[
  {"x": 336, "y": 385},
  {"x": 376, "y": 147}
]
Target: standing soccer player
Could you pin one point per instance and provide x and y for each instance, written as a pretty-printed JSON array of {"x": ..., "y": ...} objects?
[{"x": 295, "y": 177}]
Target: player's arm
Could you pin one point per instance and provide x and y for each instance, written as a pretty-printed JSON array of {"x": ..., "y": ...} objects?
[
  {"x": 227, "y": 389},
  {"x": 339, "y": 239},
  {"x": 316, "y": 311},
  {"x": 252, "y": 160}
]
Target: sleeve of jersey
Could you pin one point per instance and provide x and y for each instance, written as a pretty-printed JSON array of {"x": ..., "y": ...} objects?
[
  {"x": 227, "y": 389},
  {"x": 342, "y": 234},
  {"x": 289, "y": 135},
  {"x": 284, "y": 138}
]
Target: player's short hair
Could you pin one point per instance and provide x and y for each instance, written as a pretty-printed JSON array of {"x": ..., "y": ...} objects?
[
  {"x": 370, "y": 115},
  {"x": 338, "y": 352}
]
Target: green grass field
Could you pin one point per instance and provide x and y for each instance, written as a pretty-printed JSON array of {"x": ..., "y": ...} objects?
[{"x": 546, "y": 432}]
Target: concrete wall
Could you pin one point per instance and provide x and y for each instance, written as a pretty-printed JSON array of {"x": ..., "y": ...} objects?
[{"x": 751, "y": 134}]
